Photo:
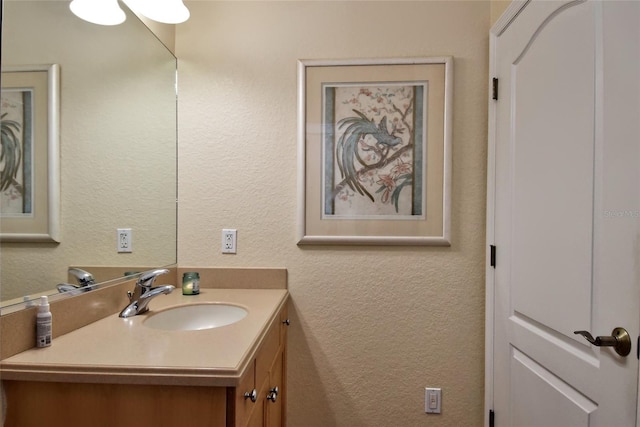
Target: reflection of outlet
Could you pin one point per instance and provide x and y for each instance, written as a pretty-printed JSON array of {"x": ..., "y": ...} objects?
[
  {"x": 229, "y": 241},
  {"x": 124, "y": 243}
]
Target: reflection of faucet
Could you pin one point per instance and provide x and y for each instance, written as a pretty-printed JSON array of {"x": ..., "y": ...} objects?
[
  {"x": 83, "y": 277},
  {"x": 69, "y": 288},
  {"x": 85, "y": 282},
  {"x": 144, "y": 292}
]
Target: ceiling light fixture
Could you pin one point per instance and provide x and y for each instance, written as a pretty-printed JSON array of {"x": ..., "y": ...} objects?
[
  {"x": 108, "y": 12},
  {"x": 101, "y": 12},
  {"x": 165, "y": 11}
]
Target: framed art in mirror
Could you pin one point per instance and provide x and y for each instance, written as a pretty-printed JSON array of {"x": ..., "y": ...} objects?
[
  {"x": 29, "y": 167},
  {"x": 374, "y": 151}
]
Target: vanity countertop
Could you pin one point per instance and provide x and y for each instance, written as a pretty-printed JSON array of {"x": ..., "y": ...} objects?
[{"x": 123, "y": 351}]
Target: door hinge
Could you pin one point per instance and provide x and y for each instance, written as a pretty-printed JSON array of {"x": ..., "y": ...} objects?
[
  {"x": 492, "y": 256},
  {"x": 638, "y": 349},
  {"x": 495, "y": 88},
  {"x": 492, "y": 418}
]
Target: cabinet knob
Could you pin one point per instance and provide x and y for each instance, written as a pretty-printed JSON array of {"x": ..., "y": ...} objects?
[
  {"x": 286, "y": 322},
  {"x": 253, "y": 395},
  {"x": 273, "y": 395}
]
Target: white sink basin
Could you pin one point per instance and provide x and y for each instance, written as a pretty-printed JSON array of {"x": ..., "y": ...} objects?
[{"x": 195, "y": 317}]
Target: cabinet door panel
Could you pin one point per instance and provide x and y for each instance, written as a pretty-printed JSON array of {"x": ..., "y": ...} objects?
[
  {"x": 243, "y": 407},
  {"x": 267, "y": 351},
  {"x": 274, "y": 410},
  {"x": 106, "y": 405}
]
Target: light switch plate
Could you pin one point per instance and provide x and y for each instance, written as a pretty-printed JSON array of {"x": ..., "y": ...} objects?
[{"x": 432, "y": 400}]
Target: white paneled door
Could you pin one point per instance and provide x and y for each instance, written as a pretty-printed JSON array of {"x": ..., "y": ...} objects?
[{"x": 564, "y": 214}]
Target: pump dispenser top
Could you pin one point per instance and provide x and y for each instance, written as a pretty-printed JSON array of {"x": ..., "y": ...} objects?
[{"x": 44, "y": 304}]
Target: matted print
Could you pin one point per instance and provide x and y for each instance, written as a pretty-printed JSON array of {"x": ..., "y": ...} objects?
[
  {"x": 374, "y": 151},
  {"x": 29, "y": 163}
]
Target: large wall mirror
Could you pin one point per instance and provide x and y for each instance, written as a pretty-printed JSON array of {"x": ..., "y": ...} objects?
[{"x": 117, "y": 145}]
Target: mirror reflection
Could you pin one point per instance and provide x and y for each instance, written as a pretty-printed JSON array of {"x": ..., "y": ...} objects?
[{"x": 117, "y": 146}]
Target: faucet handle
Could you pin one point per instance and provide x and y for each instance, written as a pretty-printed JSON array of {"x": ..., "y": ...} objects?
[{"x": 147, "y": 278}]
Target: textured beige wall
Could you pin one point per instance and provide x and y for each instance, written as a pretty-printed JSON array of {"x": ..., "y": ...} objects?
[{"x": 372, "y": 326}]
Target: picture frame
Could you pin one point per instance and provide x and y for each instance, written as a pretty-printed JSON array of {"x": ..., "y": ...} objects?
[
  {"x": 30, "y": 176},
  {"x": 374, "y": 151}
]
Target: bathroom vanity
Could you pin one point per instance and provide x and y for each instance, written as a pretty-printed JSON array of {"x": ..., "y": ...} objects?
[{"x": 121, "y": 372}]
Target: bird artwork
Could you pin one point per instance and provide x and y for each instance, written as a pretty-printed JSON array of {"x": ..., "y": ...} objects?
[
  {"x": 10, "y": 154},
  {"x": 375, "y": 135},
  {"x": 348, "y": 147}
]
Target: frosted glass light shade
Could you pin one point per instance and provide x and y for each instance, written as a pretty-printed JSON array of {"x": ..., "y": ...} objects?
[
  {"x": 102, "y": 12},
  {"x": 166, "y": 11}
]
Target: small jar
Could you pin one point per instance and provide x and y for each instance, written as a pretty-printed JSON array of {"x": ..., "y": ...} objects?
[{"x": 191, "y": 283}]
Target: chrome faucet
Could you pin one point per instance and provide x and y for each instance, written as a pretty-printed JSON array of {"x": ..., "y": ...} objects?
[
  {"x": 83, "y": 277},
  {"x": 144, "y": 292},
  {"x": 85, "y": 282}
]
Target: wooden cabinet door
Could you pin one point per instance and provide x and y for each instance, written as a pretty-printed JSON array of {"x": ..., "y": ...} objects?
[
  {"x": 257, "y": 416},
  {"x": 274, "y": 409},
  {"x": 35, "y": 404},
  {"x": 267, "y": 372}
]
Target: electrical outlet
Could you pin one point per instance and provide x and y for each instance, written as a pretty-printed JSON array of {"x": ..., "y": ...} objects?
[
  {"x": 229, "y": 240},
  {"x": 124, "y": 242}
]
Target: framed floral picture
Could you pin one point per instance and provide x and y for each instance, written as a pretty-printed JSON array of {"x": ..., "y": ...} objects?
[
  {"x": 29, "y": 165},
  {"x": 374, "y": 151}
]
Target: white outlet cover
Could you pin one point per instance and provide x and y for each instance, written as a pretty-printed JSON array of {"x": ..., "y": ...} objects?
[
  {"x": 229, "y": 240},
  {"x": 124, "y": 242}
]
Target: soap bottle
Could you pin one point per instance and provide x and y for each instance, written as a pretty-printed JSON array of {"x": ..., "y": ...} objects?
[{"x": 43, "y": 323}]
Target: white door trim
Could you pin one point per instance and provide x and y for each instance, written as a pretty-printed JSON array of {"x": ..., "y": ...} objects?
[{"x": 498, "y": 28}]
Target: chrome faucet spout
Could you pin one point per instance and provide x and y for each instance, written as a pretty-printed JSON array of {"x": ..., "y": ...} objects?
[
  {"x": 83, "y": 277},
  {"x": 144, "y": 292},
  {"x": 85, "y": 280}
]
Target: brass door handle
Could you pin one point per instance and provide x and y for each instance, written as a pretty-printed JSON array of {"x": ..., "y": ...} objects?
[{"x": 619, "y": 340}]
